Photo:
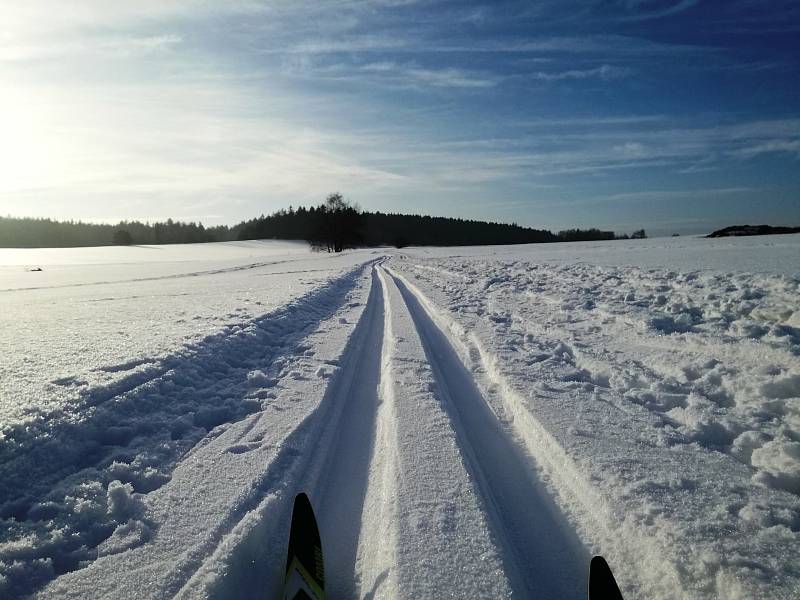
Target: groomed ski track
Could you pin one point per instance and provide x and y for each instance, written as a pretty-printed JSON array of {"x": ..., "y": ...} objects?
[
  {"x": 420, "y": 489},
  {"x": 424, "y": 492}
]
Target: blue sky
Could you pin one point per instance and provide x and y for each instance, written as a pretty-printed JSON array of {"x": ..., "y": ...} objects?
[{"x": 673, "y": 115}]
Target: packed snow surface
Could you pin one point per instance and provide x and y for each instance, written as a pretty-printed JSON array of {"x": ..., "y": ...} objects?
[{"x": 468, "y": 422}]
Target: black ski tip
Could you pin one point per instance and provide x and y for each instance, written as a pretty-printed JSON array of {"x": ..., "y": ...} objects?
[
  {"x": 302, "y": 508},
  {"x": 602, "y": 585},
  {"x": 304, "y": 539}
]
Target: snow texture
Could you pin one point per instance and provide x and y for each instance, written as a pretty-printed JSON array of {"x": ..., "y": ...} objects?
[{"x": 471, "y": 422}]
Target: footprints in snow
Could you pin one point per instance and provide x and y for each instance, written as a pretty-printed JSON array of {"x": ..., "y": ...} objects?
[
  {"x": 75, "y": 381},
  {"x": 69, "y": 381},
  {"x": 244, "y": 448},
  {"x": 126, "y": 366},
  {"x": 743, "y": 404}
]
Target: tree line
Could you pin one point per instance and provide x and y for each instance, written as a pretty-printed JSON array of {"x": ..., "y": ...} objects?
[
  {"x": 331, "y": 226},
  {"x": 46, "y": 233}
]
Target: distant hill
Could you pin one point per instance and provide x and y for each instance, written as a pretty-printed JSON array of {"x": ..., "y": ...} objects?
[{"x": 739, "y": 230}]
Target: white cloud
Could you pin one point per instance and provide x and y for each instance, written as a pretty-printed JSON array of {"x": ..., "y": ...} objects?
[
  {"x": 352, "y": 43},
  {"x": 457, "y": 78},
  {"x": 105, "y": 45},
  {"x": 56, "y": 16},
  {"x": 392, "y": 74},
  {"x": 583, "y": 122},
  {"x": 604, "y": 72},
  {"x": 666, "y": 195},
  {"x": 632, "y": 150},
  {"x": 640, "y": 7},
  {"x": 769, "y": 147}
]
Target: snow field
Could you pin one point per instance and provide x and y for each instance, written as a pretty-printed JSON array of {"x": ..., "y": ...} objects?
[
  {"x": 579, "y": 366},
  {"x": 771, "y": 254},
  {"x": 467, "y": 422},
  {"x": 62, "y": 340},
  {"x": 592, "y": 512},
  {"x": 65, "y": 267}
]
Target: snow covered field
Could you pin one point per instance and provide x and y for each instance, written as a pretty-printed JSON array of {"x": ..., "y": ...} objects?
[{"x": 468, "y": 422}]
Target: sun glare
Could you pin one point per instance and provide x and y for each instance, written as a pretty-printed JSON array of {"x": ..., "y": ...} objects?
[{"x": 27, "y": 152}]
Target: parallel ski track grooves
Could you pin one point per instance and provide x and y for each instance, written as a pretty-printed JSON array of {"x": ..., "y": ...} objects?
[
  {"x": 585, "y": 504},
  {"x": 252, "y": 566},
  {"x": 543, "y": 556},
  {"x": 341, "y": 490}
]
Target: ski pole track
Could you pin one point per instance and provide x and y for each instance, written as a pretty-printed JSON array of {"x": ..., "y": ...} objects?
[
  {"x": 136, "y": 431},
  {"x": 541, "y": 550}
]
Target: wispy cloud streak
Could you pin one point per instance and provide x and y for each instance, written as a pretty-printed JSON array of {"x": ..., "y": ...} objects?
[{"x": 604, "y": 72}]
